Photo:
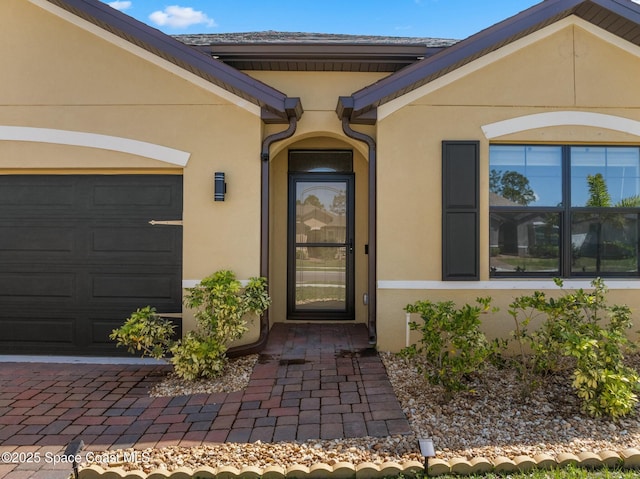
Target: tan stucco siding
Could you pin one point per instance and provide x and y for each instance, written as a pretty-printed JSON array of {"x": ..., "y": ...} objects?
[
  {"x": 495, "y": 324},
  {"x": 66, "y": 65},
  {"x": 539, "y": 74},
  {"x": 319, "y": 91},
  {"x": 567, "y": 70},
  {"x": 66, "y": 78},
  {"x": 575, "y": 66},
  {"x": 606, "y": 76}
]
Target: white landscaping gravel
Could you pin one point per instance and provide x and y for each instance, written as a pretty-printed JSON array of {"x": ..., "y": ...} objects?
[
  {"x": 237, "y": 373},
  {"x": 490, "y": 420},
  {"x": 494, "y": 419}
]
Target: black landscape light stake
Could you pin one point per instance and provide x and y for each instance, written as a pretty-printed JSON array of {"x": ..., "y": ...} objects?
[
  {"x": 73, "y": 449},
  {"x": 427, "y": 451}
]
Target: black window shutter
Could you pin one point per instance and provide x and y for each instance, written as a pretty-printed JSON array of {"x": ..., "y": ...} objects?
[{"x": 460, "y": 211}]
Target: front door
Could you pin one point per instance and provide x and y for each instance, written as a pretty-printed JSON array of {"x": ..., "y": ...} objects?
[{"x": 320, "y": 246}]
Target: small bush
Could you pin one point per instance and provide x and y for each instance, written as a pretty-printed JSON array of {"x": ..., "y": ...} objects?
[
  {"x": 198, "y": 356},
  {"x": 221, "y": 305},
  {"x": 452, "y": 344},
  {"x": 145, "y": 333},
  {"x": 573, "y": 328}
]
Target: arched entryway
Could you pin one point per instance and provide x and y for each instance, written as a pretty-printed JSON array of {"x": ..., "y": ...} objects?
[{"x": 319, "y": 232}]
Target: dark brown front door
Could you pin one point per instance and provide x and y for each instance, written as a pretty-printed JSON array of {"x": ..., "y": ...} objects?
[{"x": 320, "y": 256}]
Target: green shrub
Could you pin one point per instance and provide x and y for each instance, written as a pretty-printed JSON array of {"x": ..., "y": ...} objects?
[
  {"x": 197, "y": 356},
  {"x": 451, "y": 345},
  {"x": 573, "y": 328},
  {"x": 145, "y": 333},
  {"x": 221, "y": 306}
]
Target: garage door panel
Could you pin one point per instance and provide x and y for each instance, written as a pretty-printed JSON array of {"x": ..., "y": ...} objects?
[
  {"x": 36, "y": 194},
  {"x": 140, "y": 287},
  {"x": 17, "y": 285},
  {"x": 28, "y": 238},
  {"x": 100, "y": 331},
  {"x": 77, "y": 256},
  {"x": 150, "y": 196},
  {"x": 34, "y": 330},
  {"x": 141, "y": 240},
  {"x": 141, "y": 197}
]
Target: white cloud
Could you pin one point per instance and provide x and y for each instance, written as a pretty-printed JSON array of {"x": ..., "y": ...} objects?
[
  {"x": 180, "y": 17},
  {"x": 120, "y": 4}
]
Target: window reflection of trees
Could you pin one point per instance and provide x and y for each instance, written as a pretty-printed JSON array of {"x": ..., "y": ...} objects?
[
  {"x": 604, "y": 240},
  {"x": 601, "y": 240}
]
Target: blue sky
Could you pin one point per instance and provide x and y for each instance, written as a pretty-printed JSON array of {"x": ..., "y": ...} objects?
[{"x": 413, "y": 18}]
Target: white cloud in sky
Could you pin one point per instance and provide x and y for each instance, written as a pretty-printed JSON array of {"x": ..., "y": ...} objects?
[
  {"x": 180, "y": 17},
  {"x": 120, "y": 4}
]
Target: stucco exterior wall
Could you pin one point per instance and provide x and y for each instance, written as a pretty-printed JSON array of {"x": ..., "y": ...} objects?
[
  {"x": 66, "y": 78},
  {"x": 568, "y": 67}
]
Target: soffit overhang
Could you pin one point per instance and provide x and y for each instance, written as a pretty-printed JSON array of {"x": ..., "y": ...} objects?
[
  {"x": 296, "y": 51},
  {"x": 275, "y": 106},
  {"x": 618, "y": 17}
]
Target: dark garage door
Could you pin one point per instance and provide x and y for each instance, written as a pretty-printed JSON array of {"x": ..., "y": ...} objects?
[{"x": 77, "y": 255}]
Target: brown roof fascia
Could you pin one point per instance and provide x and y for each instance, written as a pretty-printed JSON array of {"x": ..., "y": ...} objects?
[
  {"x": 319, "y": 56},
  {"x": 240, "y": 84},
  {"x": 484, "y": 42}
]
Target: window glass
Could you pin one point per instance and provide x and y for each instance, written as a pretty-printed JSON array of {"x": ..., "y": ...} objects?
[
  {"x": 321, "y": 161},
  {"x": 605, "y": 176},
  {"x": 525, "y": 175},
  {"x": 595, "y": 232},
  {"x": 604, "y": 243},
  {"x": 526, "y": 242}
]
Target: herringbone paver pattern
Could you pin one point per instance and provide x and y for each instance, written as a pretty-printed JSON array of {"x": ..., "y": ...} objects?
[{"x": 312, "y": 381}]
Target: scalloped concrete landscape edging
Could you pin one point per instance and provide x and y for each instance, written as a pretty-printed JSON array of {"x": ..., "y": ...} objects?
[{"x": 627, "y": 459}]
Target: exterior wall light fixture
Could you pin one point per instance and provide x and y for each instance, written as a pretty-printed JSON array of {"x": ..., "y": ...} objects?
[{"x": 219, "y": 186}]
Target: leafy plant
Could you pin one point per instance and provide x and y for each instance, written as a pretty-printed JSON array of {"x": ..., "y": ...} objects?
[
  {"x": 573, "y": 329},
  {"x": 145, "y": 332},
  {"x": 452, "y": 344},
  {"x": 221, "y": 305},
  {"x": 198, "y": 356}
]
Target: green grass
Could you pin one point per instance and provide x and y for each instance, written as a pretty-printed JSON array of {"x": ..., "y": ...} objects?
[
  {"x": 327, "y": 293},
  {"x": 588, "y": 265},
  {"x": 530, "y": 263}
]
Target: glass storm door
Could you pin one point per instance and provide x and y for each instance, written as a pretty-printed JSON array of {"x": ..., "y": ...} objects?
[{"x": 320, "y": 257}]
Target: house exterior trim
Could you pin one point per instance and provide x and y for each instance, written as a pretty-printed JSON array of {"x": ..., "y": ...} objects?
[
  {"x": 561, "y": 118},
  {"x": 500, "y": 285},
  {"x": 97, "y": 141},
  {"x": 620, "y": 19},
  {"x": 394, "y": 105}
]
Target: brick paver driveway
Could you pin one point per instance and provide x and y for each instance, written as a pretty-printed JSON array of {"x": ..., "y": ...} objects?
[{"x": 312, "y": 381}]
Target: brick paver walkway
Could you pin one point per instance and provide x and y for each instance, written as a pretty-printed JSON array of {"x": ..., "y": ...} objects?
[{"x": 312, "y": 381}]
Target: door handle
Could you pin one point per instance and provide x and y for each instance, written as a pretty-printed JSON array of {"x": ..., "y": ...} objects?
[
  {"x": 166, "y": 222},
  {"x": 350, "y": 246}
]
